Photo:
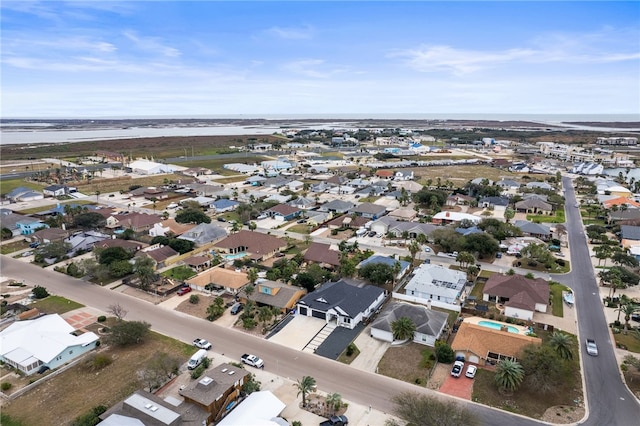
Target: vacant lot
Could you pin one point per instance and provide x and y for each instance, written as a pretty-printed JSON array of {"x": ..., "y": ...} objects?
[
  {"x": 410, "y": 363},
  {"x": 462, "y": 174},
  {"x": 84, "y": 389}
]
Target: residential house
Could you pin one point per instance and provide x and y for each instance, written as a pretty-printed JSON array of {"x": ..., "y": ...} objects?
[
  {"x": 619, "y": 202},
  {"x": 403, "y": 266},
  {"x": 54, "y": 190},
  {"x": 223, "y": 205},
  {"x": 520, "y": 296},
  {"x": 198, "y": 263},
  {"x": 540, "y": 185},
  {"x": 403, "y": 175},
  {"x": 429, "y": 324},
  {"x": 196, "y": 171},
  {"x": 277, "y": 182},
  {"x": 404, "y": 214},
  {"x": 619, "y": 216},
  {"x": 146, "y": 167},
  {"x": 284, "y": 212},
  {"x": 160, "y": 254},
  {"x": 131, "y": 246},
  {"x": 169, "y": 226},
  {"x": 256, "y": 245},
  {"x": 145, "y": 408},
  {"x": 84, "y": 241},
  {"x": 315, "y": 218},
  {"x": 386, "y": 225},
  {"x": 369, "y": 210},
  {"x": 509, "y": 186},
  {"x": 219, "y": 279},
  {"x": 295, "y": 185},
  {"x": 217, "y": 391},
  {"x": 10, "y": 220},
  {"x": 493, "y": 202},
  {"x": 447, "y": 217},
  {"x": 436, "y": 283},
  {"x": 487, "y": 346},
  {"x": 519, "y": 168},
  {"x": 47, "y": 341},
  {"x": 256, "y": 180},
  {"x": 410, "y": 186},
  {"x": 48, "y": 235},
  {"x": 459, "y": 200},
  {"x": 469, "y": 231},
  {"x": 273, "y": 294},
  {"x": 29, "y": 225},
  {"x": 342, "y": 303},
  {"x": 536, "y": 230},
  {"x": 322, "y": 255},
  {"x": 23, "y": 194},
  {"x": 630, "y": 236},
  {"x": 203, "y": 234},
  {"x": 347, "y": 221},
  {"x": 336, "y": 206},
  {"x": 385, "y": 174},
  {"x": 259, "y": 408},
  {"x": 534, "y": 206},
  {"x": 138, "y": 222},
  {"x": 302, "y": 203}
]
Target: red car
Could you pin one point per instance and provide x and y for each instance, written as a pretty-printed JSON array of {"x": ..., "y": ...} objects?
[{"x": 184, "y": 290}]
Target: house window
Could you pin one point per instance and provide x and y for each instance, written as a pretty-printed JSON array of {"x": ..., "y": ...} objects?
[
  {"x": 265, "y": 290},
  {"x": 346, "y": 320}
]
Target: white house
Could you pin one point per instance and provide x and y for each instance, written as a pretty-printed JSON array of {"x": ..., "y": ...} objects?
[
  {"x": 146, "y": 167},
  {"x": 43, "y": 342},
  {"x": 429, "y": 324},
  {"x": 437, "y": 283}
]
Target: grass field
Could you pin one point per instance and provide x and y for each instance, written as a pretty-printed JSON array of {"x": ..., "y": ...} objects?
[
  {"x": 13, "y": 247},
  {"x": 405, "y": 363},
  {"x": 217, "y": 164},
  {"x": 51, "y": 206},
  {"x": 629, "y": 341},
  {"x": 181, "y": 272},
  {"x": 115, "y": 185},
  {"x": 543, "y": 218},
  {"x": 557, "y": 306},
  {"x": 55, "y": 305},
  {"x": 84, "y": 389},
  {"x": 462, "y": 175},
  {"x": 8, "y": 185}
]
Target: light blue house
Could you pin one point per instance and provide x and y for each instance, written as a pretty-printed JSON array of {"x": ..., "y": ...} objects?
[
  {"x": 28, "y": 226},
  {"x": 47, "y": 341}
]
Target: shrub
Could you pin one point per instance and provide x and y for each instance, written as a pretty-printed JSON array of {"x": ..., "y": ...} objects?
[
  {"x": 6, "y": 386},
  {"x": 102, "y": 318},
  {"x": 198, "y": 371},
  {"x": 351, "y": 349},
  {"x": 40, "y": 292},
  {"x": 194, "y": 299},
  {"x": 444, "y": 353},
  {"x": 98, "y": 362},
  {"x": 249, "y": 323}
]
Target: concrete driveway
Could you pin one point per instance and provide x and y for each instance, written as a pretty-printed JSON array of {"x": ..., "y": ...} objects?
[{"x": 298, "y": 332}]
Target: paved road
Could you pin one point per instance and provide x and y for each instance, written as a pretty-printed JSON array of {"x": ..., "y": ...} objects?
[
  {"x": 354, "y": 385},
  {"x": 609, "y": 400}
]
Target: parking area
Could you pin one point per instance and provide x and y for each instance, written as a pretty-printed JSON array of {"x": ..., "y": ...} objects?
[
  {"x": 462, "y": 386},
  {"x": 298, "y": 332}
]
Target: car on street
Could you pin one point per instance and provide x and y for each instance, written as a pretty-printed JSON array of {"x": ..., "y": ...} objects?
[
  {"x": 471, "y": 371},
  {"x": 592, "y": 348},
  {"x": 458, "y": 366},
  {"x": 201, "y": 344},
  {"x": 252, "y": 360},
  {"x": 335, "y": 421},
  {"x": 184, "y": 290}
]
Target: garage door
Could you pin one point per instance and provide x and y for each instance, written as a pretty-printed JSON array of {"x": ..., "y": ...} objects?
[
  {"x": 319, "y": 314},
  {"x": 474, "y": 359},
  {"x": 303, "y": 310}
]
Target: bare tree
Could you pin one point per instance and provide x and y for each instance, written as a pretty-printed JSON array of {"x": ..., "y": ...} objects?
[{"x": 117, "y": 311}]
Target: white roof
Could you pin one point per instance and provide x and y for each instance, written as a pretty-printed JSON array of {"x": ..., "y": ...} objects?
[
  {"x": 259, "y": 409},
  {"x": 148, "y": 165},
  {"x": 456, "y": 216},
  {"x": 437, "y": 280},
  {"x": 118, "y": 420},
  {"x": 43, "y": 339}
]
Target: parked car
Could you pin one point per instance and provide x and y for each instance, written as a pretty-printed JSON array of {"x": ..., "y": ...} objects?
[
  {"x": 427, "y": 249},
  {"x": 458, "y": 366},
  {"x": 498, "y": 255},
  {"x": 222, "y": 219},
  {"x": 372, "y": 233},
  {"x": 471, "y": 371},
  {"x": 34, "y": 244},
  {"x": 335, "y": 421},
  {"x": 236, "y": 308},
  {"x": 201, "y": 344},
  {"x": 184, "y": 290},
  {"x": 635, "y": 317}
]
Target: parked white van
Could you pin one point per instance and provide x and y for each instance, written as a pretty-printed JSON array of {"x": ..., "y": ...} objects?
[{"x": 196, "y": 359}]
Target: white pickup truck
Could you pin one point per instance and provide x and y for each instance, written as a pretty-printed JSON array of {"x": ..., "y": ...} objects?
[
  {"x": 252, "y": 360},
  {"x": 202, "y": 344}
]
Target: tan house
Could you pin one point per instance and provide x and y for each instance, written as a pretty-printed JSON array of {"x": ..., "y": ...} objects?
[
  {"x": 256, "y": 245},
  {"x": 274, "y": 294},
  {"x": 138, "y": 222},
  {"x": 219, "y": 279},
  {"x": 161, "y": 255},
  {"x": 217, "y": 391},
  {"x": 534, "y": 206},
  {"x": 170, "y": 226},
  {"x": 482, "y": 345},
  {"x": 322, "y": 255}
]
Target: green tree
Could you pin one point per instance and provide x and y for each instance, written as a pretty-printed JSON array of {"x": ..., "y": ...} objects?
[
  {"x": 419, "y": 409},
  {"x": 126, "y": 333},
  {"x": 464, "y": 258},
  {"x": 216, "y": 309},
  {"x": 181, "y": 246},
  {"x": 252, "y": 275},
  {"x": 414, "y": 249},
  {"x": 192, "y": 216},
  {"x": 377, "y": 273},
  {"x": 334, "y": 400},
  {"x": 6, "y": 233},
  {"x": 54, "y": 250},
  {"x": 562, "y": 344},
  {"x": 144, "y": 270},
  {"x": 113, "y": 254},
  {"x": 403, "y": 328},
  {"x": 89, "y": 220},
  {"x": 444, "y": 353},
  {"x": 305, "y": 386},
  {"x": 120, "y": 268},
  {"x": 509, "y": 375},
  {"x": 40, "y": 292},
  {"x": 545, "y": 370},
  {"x": 264, "y": 315},
  {"x": 509, "y": 214}
]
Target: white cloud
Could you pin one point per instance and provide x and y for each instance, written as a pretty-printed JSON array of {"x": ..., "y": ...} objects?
[
  {"x": 313, "y": 68},
  {"x": 305, "y": 32},
  {"x": 151, "y": 44}
]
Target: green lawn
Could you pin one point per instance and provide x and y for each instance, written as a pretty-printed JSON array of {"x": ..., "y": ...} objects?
[
  {"x": 300, "y": 229},
  {"x": 231, "y": 179},
  {"x": 540, "y": 218},
  {"x": 557, "y": 305},
  {"x": 8, "y": 185},
  {"x": 56, "y": 305},
  {"x": 13, "y": 247},
  {"x": 629, "y": 341},
  {"x": 477, "y": 290},
  {"x": 217, "y": 164},
  {"x": 179, "y": 273}
]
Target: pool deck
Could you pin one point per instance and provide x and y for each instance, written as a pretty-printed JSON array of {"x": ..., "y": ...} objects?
[{"x": 475, "y": 320}]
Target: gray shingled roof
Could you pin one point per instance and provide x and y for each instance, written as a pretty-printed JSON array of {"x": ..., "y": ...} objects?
[{"x": 346, "y": 297}]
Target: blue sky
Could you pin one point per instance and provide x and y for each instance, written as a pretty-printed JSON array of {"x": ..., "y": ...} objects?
[{"x": 151, "y": 58}]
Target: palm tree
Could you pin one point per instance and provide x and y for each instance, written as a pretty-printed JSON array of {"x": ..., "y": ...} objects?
[
  {"x": 414, "y": 248},
  {"x": 562, "y": 344},
  {"x": 509, "y": 375},
  {"x": 403, "y": 328},
  {"x": 252, "y": 275},
  {"x": 305, "y": 386},
  {"x": 265, "y": 314},
  {"x": 628, "y": 309},
  {"x": 334, "y": 400}
]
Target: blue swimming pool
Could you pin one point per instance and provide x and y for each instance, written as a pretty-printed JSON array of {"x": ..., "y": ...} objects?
[
  {"x": 234, "y": 256},
  {"x": 497, "y": 326}
]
